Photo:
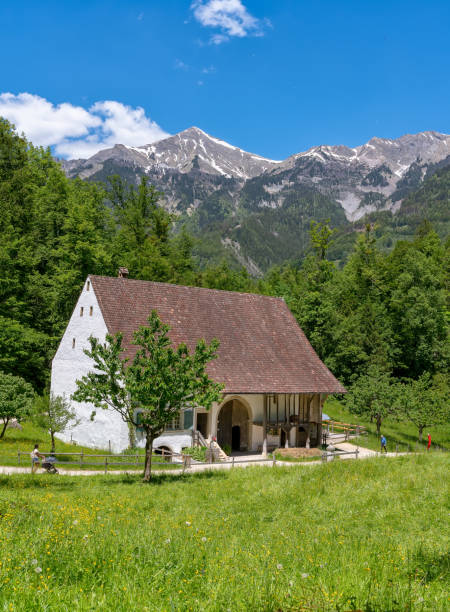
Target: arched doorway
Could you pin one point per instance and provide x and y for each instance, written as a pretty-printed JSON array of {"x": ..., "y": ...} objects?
[
  {"x": 233, "y": 426},
  {"x": 236, "y": 438}
]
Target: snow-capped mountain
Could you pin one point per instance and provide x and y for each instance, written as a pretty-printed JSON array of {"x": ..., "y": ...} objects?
[
  {"x": 188, "y": 150},
  {"x": 259, "y": 210},
  {"x": 373, "y": 176}
]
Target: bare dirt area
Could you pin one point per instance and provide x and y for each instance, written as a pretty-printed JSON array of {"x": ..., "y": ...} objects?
[{"x": 299, "y": 453}]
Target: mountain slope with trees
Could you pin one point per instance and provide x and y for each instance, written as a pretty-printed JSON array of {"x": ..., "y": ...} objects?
[
  {"x": 255, "y": 211},
  {"x": 380, "y": 308}
]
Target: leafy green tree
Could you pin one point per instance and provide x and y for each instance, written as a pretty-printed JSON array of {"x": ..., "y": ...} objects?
[
  {"x": 226, "y": 278},
  {"x": 23, "y": 350},
  {"x": 313, "y": 300},
  {"x": 373, "y": 395},
  {"x": 416, "y": 300},
  {"x": 16, "y": 397},
  {"x": 54, "y": 413},
  {"x": 362, "y": 332},
  {"x": 151, "y": 390},
  {"x": 424, "y": 403},
  {"x": 321, "y": 238},
  {"x": 54, "y": 232}
]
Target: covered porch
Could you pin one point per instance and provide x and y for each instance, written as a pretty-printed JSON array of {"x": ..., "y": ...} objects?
[{"x": 258, "y": 423}]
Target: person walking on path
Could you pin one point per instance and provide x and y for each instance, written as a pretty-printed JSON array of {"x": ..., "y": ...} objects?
[
  {"x": 35, "y": 456},
  {"x": 383, "y": 444},
  {"x": 429, "y": 442}
]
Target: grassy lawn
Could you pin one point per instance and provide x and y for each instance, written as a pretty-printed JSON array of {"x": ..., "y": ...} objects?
[
  {"x": 402, "y": 433},
  {"x": 25, "y": 439},
  {"x": 366, "y": 535}
]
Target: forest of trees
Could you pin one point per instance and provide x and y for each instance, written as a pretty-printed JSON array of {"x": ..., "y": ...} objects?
[{"x": 382, "y": 310}]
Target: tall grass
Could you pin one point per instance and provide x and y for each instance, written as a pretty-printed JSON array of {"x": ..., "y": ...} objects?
[{"x": 357, "y": 535}]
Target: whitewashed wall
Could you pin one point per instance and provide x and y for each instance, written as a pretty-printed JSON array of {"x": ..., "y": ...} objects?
[{"x": 70, "y": 364}]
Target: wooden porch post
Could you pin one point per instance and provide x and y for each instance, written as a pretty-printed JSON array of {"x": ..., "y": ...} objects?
[
  {"x": 264, "y": 446},
  {"x": 308, "y": 427},
  {"x": 319, "y": 426}
]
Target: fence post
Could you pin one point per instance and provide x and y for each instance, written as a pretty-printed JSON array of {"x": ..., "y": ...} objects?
[
  {"x": 184, "y": 463},
  {"x": 396, "y": 449},
  {"x": 18, "y": 457},
  {"x": 106, "y": 465},
  {"x": 81, "y": 459},
  {"x": 137, "y": 458},
  {"x": 357, "y": 452},
  {"x": 273, "y": 459},
  {"x": 232, "y": 462}
]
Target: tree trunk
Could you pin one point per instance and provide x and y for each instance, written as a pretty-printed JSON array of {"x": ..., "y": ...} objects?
[
  {"x": 148, "y": 457},
  {"x": 5, "y": 425},
  {"x": 52, "y": 435},
  {"x": 378, "y": 424},
  {"x": 420, "y": 432}
]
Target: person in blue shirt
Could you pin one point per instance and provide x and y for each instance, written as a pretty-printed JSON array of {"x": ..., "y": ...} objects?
[{"x": 383, "y": 444}]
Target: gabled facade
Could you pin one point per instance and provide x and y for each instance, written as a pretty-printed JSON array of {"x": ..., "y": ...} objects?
[{"x": 274, "y": 383}]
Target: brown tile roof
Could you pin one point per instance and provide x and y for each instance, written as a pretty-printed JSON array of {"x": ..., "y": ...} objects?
[{"x": 262, "y": 348}]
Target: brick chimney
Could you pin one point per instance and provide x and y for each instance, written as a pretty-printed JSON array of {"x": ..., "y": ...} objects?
[{"x": 123, "y": 273}]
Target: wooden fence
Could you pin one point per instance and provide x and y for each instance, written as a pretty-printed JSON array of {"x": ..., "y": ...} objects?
[{"x": 101, "y": 461}]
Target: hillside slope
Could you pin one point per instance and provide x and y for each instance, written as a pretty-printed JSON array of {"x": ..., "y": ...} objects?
[{"x": 257, "y": 211}]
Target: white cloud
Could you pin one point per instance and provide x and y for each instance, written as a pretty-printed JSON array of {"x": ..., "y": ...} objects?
[
  {"x": 209, "y": 69},
  {"x": 218, "y": 39},
  {"x": 74, "y": 131},
  {"x": 230, "y": 16},
  {"x": 180, "y": 65}
]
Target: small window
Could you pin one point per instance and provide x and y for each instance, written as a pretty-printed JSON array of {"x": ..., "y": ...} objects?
[
  {"x": 174, "y": 424},
  {"x": 188, "y": 418},
  {"x": 81, "y": 311},
  {"x": 88, "y": 286},
  {"x": 91, "y": 311},
  {"x": 73, "y": 343}
]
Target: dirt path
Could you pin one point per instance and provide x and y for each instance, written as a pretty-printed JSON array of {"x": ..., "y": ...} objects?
[
  {"x": 193, "y": 469},
  {"x": 364, "y": 453},
  {"x": 240, "y": 462}
]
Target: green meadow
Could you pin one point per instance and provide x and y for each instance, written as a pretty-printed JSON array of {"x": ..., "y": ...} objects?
[
  {"x": 399, "y": 433},
  {"x": 366, "y": 535},
  {"x": 24, "y": 439}
]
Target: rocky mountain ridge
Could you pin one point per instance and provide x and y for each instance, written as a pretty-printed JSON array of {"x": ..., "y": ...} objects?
[
  {"x": 361, "y": 179},
  {"x": 258, "y": 210}
]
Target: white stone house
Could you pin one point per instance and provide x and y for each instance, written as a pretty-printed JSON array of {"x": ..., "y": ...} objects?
[{"x": 274, "y": 382}]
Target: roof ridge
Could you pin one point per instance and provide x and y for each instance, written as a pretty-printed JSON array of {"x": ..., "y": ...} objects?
[{"x": 137, "y": 280}]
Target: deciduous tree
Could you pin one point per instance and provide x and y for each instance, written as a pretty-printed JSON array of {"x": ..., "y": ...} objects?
[
  {"x": 152, "y": 389},
  {"x": 16, "y": 397},
  {"x": 424, "y": 403},
  {"x": 373, "y": 395},
  {"x": 55, "y": 414}
]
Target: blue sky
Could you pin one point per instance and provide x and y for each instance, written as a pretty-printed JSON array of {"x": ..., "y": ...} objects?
[{"x": 272, "y": 77}]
